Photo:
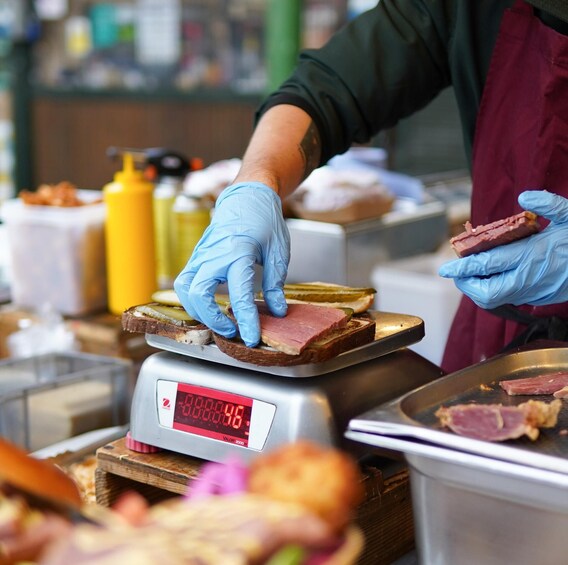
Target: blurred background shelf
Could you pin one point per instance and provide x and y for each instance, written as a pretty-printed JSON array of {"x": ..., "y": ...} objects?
[{"x": 75, "y": 79}]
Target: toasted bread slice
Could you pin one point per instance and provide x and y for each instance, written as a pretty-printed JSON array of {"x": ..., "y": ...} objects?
[
  {"x": 155, "y": 318},
  {"x": 358, "y": 332}
]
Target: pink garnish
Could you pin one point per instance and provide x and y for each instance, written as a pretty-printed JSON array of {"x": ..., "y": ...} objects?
[{"x": 229, "y": 477}]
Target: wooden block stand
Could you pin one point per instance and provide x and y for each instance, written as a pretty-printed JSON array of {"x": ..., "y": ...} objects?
[{"x": 385, "y": 516}]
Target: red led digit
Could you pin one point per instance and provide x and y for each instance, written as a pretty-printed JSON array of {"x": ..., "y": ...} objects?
[
  {"x": 186, "y": 406},
  {"x": 197, "y": 409},
  {"x": 238, "y": 417},
  {"x": 207, "y": 410},
  {"x": 229, "y": 409},
  {"x": 218, "y": 412}
]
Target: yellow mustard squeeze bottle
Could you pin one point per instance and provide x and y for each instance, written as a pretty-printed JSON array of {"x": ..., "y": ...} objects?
[{"x": 129, "y": 233}]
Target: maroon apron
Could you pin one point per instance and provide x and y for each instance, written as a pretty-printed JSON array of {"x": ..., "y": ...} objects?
[{"x": 521, "y": 142}]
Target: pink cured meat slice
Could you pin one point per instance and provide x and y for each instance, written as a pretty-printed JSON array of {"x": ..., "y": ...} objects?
[
  {"x": 484, "y": 237},
  {"x": 490, "y": 422},
  {"x": 495, "y": 422},
  {"x": 302, "y": 325},
  {"x": 542, "y": 384}
]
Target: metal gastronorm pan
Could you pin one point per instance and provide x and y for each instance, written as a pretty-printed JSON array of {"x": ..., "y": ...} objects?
[
  {"x": 411, "y": 416},
  {"x": 472, "y": 510}
]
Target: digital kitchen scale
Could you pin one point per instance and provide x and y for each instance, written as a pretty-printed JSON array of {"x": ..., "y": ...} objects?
[{"x": 196, "y": 400}]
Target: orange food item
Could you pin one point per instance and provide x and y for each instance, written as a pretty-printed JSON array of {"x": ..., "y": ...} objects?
[
  {"x": 327, "y": 481},
  {"x": 63, "y": 194}
]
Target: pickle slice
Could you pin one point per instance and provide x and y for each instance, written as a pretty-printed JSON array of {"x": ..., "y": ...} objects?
[
  {"x": 170, "y": 314},
  {"x": 168, "y": 297},
  {"x": 328, "y": 288},
  {"x": 325, "y": 292}
]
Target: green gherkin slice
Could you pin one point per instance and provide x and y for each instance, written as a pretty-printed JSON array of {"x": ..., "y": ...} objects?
[
  {"x": 168, "y": 297},
  {"x": 171, "y": 314},
  {"x": 325, "y": 292}
]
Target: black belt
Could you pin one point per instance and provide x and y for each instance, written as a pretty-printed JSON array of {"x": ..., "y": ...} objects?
[{"x": 548, "y": 328}]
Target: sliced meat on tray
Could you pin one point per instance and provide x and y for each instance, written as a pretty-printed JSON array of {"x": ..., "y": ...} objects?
[
  {"x": 302, "y": 325},
  {"x": 541, "y": 384},
  {"x": 495, "y": 422}
]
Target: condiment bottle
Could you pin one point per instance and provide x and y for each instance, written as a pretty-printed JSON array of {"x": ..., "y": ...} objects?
[
  {"x": 191, "y": 216},
  {"x": 167, "y": 169},
  {"x": 129, "y": 234}
]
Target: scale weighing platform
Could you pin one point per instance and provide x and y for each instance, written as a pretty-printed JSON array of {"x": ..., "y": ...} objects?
[{"x": 196, "y": 400}]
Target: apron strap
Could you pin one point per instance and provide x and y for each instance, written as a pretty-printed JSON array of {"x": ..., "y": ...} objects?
[{"x": 549, "y": 328}]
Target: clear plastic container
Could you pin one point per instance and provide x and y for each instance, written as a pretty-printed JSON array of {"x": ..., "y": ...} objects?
[
  {"x": 57, "y": 255},
  {"x": 47, "y": 398}
]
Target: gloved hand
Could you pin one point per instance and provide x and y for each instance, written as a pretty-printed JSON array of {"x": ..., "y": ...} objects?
[
  {"x": 247, "y": 228},
  {"x": 529, "y": 271}
]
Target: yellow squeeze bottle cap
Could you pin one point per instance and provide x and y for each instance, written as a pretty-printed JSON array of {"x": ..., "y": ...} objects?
[{"x": 129, "y": 171}]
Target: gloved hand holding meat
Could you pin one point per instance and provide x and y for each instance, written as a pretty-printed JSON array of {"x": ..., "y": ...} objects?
[
  {"x": 530, "y": 271},
  {"x": 247, "y": 228}
]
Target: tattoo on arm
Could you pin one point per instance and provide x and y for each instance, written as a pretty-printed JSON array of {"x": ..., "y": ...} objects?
[{"x": 310, "y": 149}]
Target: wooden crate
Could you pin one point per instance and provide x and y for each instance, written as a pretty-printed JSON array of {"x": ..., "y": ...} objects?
[{"x": 385, "y": 516}]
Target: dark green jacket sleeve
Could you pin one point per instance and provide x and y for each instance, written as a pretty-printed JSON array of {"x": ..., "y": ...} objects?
[{"x": 390, "y": 62}]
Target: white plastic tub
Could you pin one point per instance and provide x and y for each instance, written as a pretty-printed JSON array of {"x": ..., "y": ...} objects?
[
  {"x": 413, "y": 286},
  {"x": 57, "y": 255}
]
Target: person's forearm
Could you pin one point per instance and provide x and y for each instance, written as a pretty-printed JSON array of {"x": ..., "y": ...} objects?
[{"x": 284, "y": 149}]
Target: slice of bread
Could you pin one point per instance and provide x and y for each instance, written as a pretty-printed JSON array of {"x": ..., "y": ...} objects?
[
  {"x": 358, "y": 332},
  {"x": 146, "y": 319}
]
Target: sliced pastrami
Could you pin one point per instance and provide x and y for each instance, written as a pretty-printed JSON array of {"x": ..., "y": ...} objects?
[
  {"x": 542, "y": 384},
  {"x": 302, "y": 325},
  {"x": 484, "y": 237},
  {"x": 495, "y": 422}
]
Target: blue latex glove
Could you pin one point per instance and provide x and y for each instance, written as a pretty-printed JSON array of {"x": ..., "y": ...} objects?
[
  {"x": 529, "y": 271},
  {"x": 247, "y": 228}
]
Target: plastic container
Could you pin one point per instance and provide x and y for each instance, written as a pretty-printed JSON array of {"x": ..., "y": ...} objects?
[
  {"x": 412, "y": 286},
  {"x": 48, "y": 398},
  {"x": 130, "y": 246},
  {"x": 57, "y": 255}
]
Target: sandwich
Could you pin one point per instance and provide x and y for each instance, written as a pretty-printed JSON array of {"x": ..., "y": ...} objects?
[
  {"x": 323, "y": 320},
  {"x": 293, "y": 506}
]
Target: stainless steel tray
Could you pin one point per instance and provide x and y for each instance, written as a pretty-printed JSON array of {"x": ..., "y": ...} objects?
[
  {"x": 411, "y": 416},
  {"x": 393, "y": 332}
]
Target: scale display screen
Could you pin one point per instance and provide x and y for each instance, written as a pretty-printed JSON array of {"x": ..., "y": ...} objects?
[{"x": 213, "y": 413}]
